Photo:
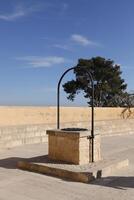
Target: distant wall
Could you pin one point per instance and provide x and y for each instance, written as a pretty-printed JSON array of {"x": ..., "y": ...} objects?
[
  {"x": 28, "y": 125},
  {"x": 47, "y": 115}
]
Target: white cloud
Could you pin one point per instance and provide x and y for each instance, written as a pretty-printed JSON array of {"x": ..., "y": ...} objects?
[
  {"x": 21, "y": 11},
  {"x": 37, "y": 61},
  {"x": 59, "y": 46},
  {"x": 13, "y": 16},
  {"x": 18, "y": 12},
  {"x": 81, "y": 40}
]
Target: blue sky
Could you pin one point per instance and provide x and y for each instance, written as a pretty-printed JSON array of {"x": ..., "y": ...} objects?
[{"x": 39, "y": 39}]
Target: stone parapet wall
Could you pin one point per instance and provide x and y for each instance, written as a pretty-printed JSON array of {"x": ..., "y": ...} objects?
[
  {"x": 28, "y": 125},
  {"x": 11, "y": 136},
  {"x": 10, "y": 115}
]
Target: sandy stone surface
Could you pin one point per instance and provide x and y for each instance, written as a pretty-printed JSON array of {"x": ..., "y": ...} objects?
[
  {"x": 21, "y": 185},
  {"x": 23, "y": 115}
]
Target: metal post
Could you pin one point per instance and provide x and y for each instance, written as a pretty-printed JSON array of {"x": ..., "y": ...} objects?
[
  {"x": 92, "y": 105},
  {"x": 92, "y": 126}
]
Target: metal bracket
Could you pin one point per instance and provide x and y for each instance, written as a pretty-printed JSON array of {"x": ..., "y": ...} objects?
[{"x": 89, "y": 137}]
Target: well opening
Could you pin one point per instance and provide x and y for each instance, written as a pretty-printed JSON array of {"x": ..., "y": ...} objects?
[{"x": 74, "y": 129}]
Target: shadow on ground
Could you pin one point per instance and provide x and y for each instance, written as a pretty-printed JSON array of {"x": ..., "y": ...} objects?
[
  {"x": 11, "y": 163},
  {"x": 117, "y": 182}
]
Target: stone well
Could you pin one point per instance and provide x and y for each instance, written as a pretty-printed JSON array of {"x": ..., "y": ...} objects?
[{"x": 73, "y": 146}]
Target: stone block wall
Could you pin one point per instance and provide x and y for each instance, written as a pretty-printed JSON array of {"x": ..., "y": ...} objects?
[
  {"x": 73, "y": 146},
  {"x": 11, "y": 115},
  {"x": 27, "y": 125}
]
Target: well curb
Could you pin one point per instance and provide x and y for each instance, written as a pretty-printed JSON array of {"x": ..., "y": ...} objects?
[{"x": 85, "y": 176}]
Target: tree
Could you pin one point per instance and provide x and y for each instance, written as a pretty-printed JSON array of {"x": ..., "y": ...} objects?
[{"x": 109, "y": 87}]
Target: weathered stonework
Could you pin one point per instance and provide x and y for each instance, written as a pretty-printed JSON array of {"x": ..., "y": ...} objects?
[
  {"x": 81, "y": 173},
  {"x": 73, "y": 146}
]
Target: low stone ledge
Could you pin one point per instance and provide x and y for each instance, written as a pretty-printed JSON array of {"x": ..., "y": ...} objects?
[{"x": 80, "y": 173}]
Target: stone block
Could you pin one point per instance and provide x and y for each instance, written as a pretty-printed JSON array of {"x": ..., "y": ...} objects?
[{"x": 73, "y": 146}]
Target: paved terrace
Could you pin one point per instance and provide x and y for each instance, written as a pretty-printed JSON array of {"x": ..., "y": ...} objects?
[{"x": 21, "y": 185}]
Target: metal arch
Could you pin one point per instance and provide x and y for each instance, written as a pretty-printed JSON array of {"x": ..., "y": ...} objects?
[{"x": 92, "y": 105}]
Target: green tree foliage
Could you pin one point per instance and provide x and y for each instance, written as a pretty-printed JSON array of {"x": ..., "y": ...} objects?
[{"x": 110, "y": 88}]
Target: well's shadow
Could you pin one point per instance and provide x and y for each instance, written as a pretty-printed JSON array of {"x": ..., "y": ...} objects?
[
  {"x": 117, "y": 182},
  {"x": 11, "y": 162}
]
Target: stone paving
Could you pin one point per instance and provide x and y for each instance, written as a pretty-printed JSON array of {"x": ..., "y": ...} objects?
[{"x": 22, "y": 185}]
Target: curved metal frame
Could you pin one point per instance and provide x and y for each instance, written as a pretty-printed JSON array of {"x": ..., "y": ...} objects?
[{"x": 92, "y": 105}]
